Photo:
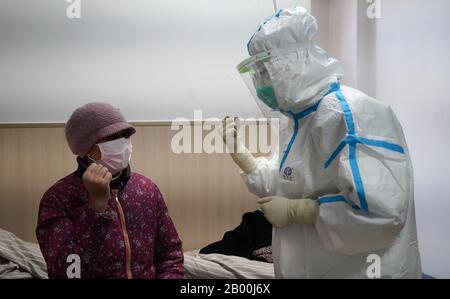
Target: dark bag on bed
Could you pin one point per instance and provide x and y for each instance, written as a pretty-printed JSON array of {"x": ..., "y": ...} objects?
[{"x": 253, "y": 234}]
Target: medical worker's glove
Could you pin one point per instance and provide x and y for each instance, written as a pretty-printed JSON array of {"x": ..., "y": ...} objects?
[
  {"x": 238, "y": 152},
  {"x": 281, "y": 211}
]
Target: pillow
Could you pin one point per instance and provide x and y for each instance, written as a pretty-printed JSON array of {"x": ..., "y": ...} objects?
[{"x": 27, "y": 256}]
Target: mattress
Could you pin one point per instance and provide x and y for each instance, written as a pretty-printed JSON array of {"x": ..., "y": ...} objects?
[
  {"x": 20, "y": 259},
  {"x": 218, "y": 266}
]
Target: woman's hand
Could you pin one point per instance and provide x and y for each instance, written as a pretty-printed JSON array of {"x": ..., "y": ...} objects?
[{"x": 96, "y": 179}]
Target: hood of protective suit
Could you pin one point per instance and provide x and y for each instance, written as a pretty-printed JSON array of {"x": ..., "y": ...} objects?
[{"x": 288, "y": 71}]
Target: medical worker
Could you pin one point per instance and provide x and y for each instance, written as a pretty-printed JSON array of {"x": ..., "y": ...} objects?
[{"x": 340, "y": 192}]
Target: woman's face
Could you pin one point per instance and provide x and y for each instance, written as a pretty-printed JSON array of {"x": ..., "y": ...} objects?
[{"x": 95, "y": 153}]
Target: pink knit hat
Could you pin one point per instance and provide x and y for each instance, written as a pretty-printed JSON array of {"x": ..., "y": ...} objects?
[{"x": 91, "y": 123}]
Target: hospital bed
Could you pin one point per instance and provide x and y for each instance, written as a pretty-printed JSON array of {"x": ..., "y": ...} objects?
[{"x": 23, "y": 260}]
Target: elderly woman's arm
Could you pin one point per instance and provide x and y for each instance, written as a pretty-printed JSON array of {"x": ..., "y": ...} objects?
[
  {"x": 168, "y": 247},
  {"x": 59, "y": 237}
]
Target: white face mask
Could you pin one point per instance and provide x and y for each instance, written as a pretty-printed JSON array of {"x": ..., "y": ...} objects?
[{"x": 116, "y": 154}]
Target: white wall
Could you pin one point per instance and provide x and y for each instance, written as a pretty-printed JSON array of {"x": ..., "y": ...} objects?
[
  {"x": 337, "y": 34},
  {"x": 413, "y": 71},
  {"x": 346, "y": 34},
  {"x": 342, "y": 37},
  {"x": 321, "y": 11},
  {"x": 402, "y": 59},
  {"x": 156, "y": 60}
]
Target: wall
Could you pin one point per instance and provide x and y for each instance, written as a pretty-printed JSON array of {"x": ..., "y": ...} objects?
[
  {"x": 347, "y": 35},
  {"x": 413, "y": 70},
  {"x": 321, "y": 11},
  {"x": 342, "y": 32},
  {"x": 204, "y": 192},
  {"x": 156, "y": 60}
]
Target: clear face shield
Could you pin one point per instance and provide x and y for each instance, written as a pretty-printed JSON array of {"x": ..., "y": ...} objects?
[
  {"x": 268, "y": 76},
  {"x": 258, "y": 81}
]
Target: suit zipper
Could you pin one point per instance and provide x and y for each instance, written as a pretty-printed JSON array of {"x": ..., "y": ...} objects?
[{"x": 126, "y": 240}]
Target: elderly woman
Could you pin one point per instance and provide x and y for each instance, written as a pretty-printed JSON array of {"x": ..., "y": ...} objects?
[{"x": 104, "y": 221}]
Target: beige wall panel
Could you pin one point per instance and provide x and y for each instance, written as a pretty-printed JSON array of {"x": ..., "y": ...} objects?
[{"x": 204, "y": 193}]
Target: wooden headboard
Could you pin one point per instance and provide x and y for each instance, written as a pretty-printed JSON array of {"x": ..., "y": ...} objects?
[{"x": 204, "y": 192}]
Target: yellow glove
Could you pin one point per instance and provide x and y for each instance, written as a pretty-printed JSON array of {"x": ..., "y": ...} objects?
[
  {"x": 239, "y": 153},
  {"x": 281, "y": 211}
]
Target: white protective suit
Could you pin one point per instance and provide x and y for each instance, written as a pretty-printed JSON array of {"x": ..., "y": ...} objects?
[{"x": 339, "y": 147}]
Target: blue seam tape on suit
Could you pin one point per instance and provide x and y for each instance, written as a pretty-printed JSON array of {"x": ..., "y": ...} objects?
[
  {"x": 337, "y": 198},
  {"x": 298, "y": 116},
  {"x": 352, "y": 141}
]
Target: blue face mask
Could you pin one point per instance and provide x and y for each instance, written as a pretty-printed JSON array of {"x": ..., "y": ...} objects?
[{"x": 267, "y": 95}]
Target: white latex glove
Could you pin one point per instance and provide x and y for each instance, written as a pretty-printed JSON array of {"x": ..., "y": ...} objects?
[
  {"x": 281, "y": 211},
  {"x": 239, "y": 153}
]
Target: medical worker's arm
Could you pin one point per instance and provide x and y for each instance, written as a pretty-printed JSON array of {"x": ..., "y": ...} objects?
[
  {"x": 259, "y": 174},
  {"x": 238, "y": 152},
  {"x": 369, "y": 210},
  {"x": 281, "y": 212}
]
